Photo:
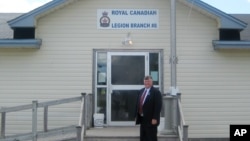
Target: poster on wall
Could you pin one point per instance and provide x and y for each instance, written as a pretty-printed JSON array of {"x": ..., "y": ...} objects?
[
  {"x": 154, "y": 75},
  {"x": 127, "y": 18}
]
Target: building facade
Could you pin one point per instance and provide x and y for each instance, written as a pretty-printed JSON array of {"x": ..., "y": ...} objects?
[{"x": 105, "y": 48}]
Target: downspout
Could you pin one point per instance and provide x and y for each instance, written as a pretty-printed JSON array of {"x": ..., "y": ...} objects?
[
  {"x": 170, "y": 105},
  {"x": 173, "y": 58}
]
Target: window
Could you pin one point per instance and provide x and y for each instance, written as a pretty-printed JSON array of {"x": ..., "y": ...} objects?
[
  {"x": 154, "y": 67},
  {"x": 24, "y": 33},
  {"x": 229, "y": 34},
  {"x": 101, "y": 83}
]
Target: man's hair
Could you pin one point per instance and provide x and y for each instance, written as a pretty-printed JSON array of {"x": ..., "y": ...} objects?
[{"x": 148, "y": 77}]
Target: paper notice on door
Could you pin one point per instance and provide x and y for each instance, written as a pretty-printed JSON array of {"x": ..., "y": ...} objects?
[
  {"x": 154, "y": 75},
  {"x": 101, "y": 77}
]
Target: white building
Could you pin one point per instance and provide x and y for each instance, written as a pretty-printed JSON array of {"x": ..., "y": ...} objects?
[{"x": 67, "y": 47}]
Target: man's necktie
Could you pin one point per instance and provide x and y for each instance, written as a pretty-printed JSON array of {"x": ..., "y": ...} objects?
[{"x": 141, "y": 101}]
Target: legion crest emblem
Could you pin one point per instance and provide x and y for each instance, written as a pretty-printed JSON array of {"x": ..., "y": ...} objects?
[{"x": 104, "y": 20}]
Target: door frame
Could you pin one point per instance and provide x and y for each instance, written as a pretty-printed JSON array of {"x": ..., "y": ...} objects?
[
  {"x": 111, "y": 87},
  {"x": 96, "y": 86}
]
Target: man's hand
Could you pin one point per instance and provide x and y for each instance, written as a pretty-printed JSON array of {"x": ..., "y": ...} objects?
[{"x": 154, "y": 122}]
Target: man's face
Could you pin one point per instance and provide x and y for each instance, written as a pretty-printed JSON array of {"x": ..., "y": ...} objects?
[{"x": 148, "y": 83}]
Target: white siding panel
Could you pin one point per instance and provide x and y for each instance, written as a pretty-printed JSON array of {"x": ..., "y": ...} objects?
[{"x": 214, "y": 84}]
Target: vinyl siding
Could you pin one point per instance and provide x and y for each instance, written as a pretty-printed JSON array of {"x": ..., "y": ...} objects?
[
  {"x": 216, "y": 92},
  {"x": 214, "y": 84}
]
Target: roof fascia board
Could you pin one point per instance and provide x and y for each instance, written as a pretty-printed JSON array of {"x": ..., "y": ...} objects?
[
  {"x": 231, "y": 44},
  {"x": 226, "y": 20},
  {"x": 20, "y": 43},
  {"x": 29, "y": 19}
]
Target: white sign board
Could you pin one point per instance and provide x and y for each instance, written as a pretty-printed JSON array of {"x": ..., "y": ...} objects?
[{"x": 127, "y": 19}]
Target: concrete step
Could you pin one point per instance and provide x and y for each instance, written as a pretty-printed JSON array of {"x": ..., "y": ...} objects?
[{"x": 120, "y": 134}]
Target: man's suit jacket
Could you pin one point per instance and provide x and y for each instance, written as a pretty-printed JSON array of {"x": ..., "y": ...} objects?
[{"x": 151, "y": 107}]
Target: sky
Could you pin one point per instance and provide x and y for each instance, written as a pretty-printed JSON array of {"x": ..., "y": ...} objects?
[
  {"x": 231, "y": 6},
  {"x": 20, "y": 6},
  {"x": 227, "y": 6}
]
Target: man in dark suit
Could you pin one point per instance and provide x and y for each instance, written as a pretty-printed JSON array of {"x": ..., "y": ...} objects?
[{"x": 148, "y": 108}]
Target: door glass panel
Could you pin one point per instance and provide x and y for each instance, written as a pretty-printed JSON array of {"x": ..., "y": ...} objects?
[
  {"x": 154, "y": 67},
  {"x": 123, "y": 105},
  {"x": 101, "y": 102},
  {"x": 127, "y": 70},
  {"x": 101, "y": 68}
]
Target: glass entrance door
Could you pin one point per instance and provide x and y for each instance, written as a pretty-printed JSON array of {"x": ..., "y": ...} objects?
[{"x": 125, "y": 77}]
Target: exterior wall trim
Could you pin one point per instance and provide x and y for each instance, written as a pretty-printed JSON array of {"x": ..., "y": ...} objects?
[
  {"x": 231, "y": 44},
  {"x": 29, "y": 19},
  {"x": 226, "y": 21},
  {"x": 18, "y": 43}
]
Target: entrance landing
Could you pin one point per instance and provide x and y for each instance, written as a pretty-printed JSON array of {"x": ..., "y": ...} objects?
[
  {"x": 120, "y": 134},
  {"x": 114, "y": 131}
]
